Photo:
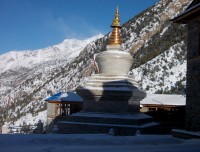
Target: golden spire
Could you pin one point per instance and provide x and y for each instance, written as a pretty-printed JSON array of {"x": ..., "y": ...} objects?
[{"x": 115, "y": 38}]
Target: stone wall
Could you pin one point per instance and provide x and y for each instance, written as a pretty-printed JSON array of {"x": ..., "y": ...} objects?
[
  {"x": 193, "y": 76},
  {"x": 51, "y": 114}
]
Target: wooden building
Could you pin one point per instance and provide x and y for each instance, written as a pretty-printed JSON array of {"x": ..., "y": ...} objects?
[
  {"x": 62, "y": 104},
  {"x": 162, "y": 102},
  {"x": 166, "y": 109},
  {"x": 191, "y": 17}
]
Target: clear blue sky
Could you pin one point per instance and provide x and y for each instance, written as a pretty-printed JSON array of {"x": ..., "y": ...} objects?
[{"x": 34, "y": 24}]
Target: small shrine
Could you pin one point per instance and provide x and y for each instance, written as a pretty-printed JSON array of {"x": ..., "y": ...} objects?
[
  {"x": 112, "y": 90},
  {"x": 62, "y": 104},
  {"x": 111, "y": 98}
]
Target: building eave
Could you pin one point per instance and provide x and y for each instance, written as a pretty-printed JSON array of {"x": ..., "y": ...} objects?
[
  {"x": 188, "y": 14},
  {"x": 161, "y": 106},
  {"x": 65, "y": 102}
]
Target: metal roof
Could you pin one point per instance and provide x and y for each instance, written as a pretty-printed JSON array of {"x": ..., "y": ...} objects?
[
  {"x": 164, "y": 99},
  {"x": 65, "y": 97},
  {"x": 192, "y": 11}
]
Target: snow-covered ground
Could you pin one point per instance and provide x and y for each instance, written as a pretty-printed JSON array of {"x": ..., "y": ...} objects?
[{"x": 96, "y": 142}]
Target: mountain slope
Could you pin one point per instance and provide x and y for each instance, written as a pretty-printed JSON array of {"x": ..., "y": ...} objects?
[
  {"x": 166, "y": 73},
  {"x": 69, "y": 48},
  {"x": 30, "y": 71}
]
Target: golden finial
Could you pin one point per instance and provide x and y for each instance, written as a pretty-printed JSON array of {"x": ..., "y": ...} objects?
[
  {"x": 116, "y": 21},
  {"x": 115, "y": 38}
]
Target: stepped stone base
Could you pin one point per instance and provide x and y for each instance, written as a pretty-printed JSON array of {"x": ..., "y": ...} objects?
[
  {"x": 111, "y": 101},
  {"x": 121, "y": 124},
  {"x": 111, "y": 94},
  {"x": 110, "y": 104}
]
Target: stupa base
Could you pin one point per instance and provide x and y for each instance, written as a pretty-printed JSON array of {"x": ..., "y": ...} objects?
[
  {"x": 115, "y": 124},
  {"x": 111, "y": 94}
]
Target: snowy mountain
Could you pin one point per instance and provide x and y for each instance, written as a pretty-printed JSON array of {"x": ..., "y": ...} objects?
[
  {"x": 23, "y": 75},
  {"x": 68, "y": 49},
  {"x": 157, "y": 45}
]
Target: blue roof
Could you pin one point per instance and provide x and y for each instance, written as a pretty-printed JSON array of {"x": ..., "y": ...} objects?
[{"x": 65, "y": 96}]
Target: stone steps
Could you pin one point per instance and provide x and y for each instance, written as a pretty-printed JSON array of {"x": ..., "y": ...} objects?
[
  {"x": 68, "y": 127},
  {"x": 119, "y": 119},
  {"x": 122, "y": 124}
]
